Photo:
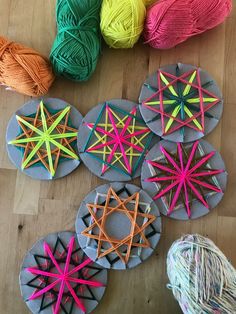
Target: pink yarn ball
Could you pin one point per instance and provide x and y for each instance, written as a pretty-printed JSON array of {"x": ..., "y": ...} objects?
[{"x": 170, "y": 22}]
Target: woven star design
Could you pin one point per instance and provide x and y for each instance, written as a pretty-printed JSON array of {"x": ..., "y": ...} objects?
[
  {"x": 137, "y": 230},
  {"x": 46, "y": 138},
  {"x": 61, "y": 278},
  {"x": 184, "y": 176},
  {"x": 118, "y": 139},
  {"x": 181, "y": 101}
]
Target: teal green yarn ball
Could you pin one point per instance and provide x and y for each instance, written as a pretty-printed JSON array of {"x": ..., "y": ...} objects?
[{"x": 77, "y": 46}]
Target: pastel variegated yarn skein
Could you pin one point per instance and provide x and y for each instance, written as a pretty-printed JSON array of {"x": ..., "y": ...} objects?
[{"x": 201, "y": 277}]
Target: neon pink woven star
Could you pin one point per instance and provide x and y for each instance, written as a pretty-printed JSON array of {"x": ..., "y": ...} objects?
[
  {"x": 62, "y": 277},
  {"x": 184, "y": 177},
  {"x": 121, "y": 141}
]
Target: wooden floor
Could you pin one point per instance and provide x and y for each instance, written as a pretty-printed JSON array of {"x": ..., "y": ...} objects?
[{"x": 31, "y": 209}]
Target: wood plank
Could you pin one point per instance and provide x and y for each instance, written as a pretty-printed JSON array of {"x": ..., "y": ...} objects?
[{"x": 26, "y": 195}]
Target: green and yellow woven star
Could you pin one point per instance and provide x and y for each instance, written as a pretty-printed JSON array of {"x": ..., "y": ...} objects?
[{"x": 45, "y": 138}]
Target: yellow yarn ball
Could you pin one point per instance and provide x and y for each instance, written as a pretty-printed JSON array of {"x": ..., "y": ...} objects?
[{"x": 122, "y": 22}]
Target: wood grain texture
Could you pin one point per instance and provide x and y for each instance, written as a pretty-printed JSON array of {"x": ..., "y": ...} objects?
[{"x": 31, "y": 209}]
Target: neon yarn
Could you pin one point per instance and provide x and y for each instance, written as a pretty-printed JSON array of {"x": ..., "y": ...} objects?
[
  {"x": 170, "y": 22},
  {"x": 23, "y": 69},
  {"x": 122, "y": 22},
  {"x": 77, "y": 46},
  {"x": 201, "y": 277}
]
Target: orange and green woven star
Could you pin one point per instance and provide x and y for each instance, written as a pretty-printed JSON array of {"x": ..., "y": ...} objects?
[{"x": 45, "y": 138}]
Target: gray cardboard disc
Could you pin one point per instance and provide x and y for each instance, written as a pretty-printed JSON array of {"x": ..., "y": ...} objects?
[
  {"x": 39, "y": 171},
  {"x": 91, "y": 134},
  {"x": 37, "y": 258},
  {"x": 197, "y": 208},
  {"x": 118, "y": 226},
  {"x": 153, "y": 90}
]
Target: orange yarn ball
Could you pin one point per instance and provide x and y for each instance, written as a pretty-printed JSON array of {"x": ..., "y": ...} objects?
[{"x": 24, "y": 69}]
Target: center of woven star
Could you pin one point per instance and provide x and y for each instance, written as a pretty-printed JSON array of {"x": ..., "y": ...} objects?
[
  {"x": 183, "y": 175},
  {"x": 63, "y": 277},
  {"x": 46, "y": 136},
  {"x": 181, "y": 98},
  {"x": 118, "y": 225}
]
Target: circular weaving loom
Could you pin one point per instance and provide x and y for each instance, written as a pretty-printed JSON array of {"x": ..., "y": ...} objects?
[
  {"x": 181, "y": 103},
  {"x": 185, "y": 180},
  {"x": 56, "y": 276},
  {"x": 113, "y": 140},
  {"x": 118, "y": 225},
  {"x": 41, "y": 138}
]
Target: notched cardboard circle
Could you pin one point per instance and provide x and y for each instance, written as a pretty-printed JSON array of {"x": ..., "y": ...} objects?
[
  {"x": 153, "y": 188},
  {"x": 158, "y": 123},
  {"x": 93, "y": 136},
  {"x": 40, "y": 172},
  {"x": 36, "y": 256},
  {"x": 119, "y": 226}
]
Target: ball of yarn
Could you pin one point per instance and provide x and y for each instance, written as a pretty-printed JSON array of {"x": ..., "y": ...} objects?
[
  {"x": 77, "y": 46},
  {"x": 170, "y": 22},
  {"x": 122, "y": 22},
  {"x": 23, "y": 69},
  {"x": 201, "y": 277}
]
